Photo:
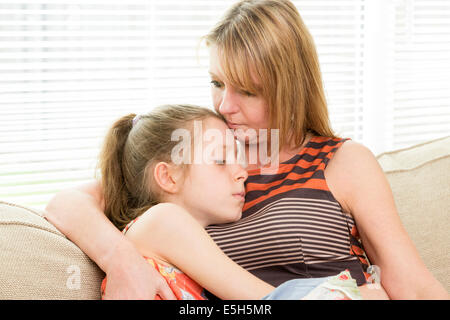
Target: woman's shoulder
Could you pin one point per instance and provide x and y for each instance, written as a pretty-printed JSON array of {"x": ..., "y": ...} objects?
[
  {"x": 324, "y": 147},
  {"x": 351, "y": 153},
  {"x": 352, "y": 164},
  {"x": 348, "y": 158}
]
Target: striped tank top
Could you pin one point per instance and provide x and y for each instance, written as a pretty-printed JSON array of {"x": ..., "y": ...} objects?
[{"x": 291, "y": 225}]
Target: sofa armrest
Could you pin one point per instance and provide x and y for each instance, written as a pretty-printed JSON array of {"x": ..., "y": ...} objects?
[
  {"x": 420, "y": 181},
  {"x": 38, "y": 262}
]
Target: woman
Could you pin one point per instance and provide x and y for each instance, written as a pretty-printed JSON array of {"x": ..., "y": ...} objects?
[{"x": 265, "y": 75}]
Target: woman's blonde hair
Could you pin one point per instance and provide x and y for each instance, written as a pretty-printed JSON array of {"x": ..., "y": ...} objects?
[
  {"x": 129, "y": 153},
  {"x": 267, "y": 38}
]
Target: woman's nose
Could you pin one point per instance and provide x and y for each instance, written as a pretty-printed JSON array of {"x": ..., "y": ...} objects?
[{"x": 229, "y": 103}]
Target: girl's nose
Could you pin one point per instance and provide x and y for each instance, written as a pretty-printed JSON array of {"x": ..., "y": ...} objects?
[{"x": 241, "y": 173}]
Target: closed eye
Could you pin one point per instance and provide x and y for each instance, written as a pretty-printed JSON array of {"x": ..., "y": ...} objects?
[
  {"x": 220, "y": 162},
  {"x": 216, "y": 84},
  {"x": 246, "y": 93}
]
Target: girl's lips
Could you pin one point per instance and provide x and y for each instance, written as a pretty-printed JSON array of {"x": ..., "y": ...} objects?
[{"x": 240, "y": 196}]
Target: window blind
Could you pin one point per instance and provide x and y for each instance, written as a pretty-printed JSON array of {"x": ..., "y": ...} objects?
[
  {"x": 336, "y": 27},
  {"x": 68, "y": 68},
  {"x": 179, "y": 64},
  {"x": 421, "y": 83}
]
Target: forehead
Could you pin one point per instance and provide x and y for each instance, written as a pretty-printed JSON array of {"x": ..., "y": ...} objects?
[
  {"x": 216, "y": 135},
  {"x": 234, "y": 68},
  {"x": 214, "y": 63},
  {"x": 214, "y": 123},
  {"x": 216, "y": 127}
]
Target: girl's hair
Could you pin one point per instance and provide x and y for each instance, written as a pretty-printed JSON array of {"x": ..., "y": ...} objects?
[
  {"x": 130, "y": 152},
  {"x": 267, "y": 38}
]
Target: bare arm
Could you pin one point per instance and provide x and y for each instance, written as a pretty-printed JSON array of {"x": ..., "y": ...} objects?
[
  {"x": 359, "y": 184},
  {"x": 169, "y": 233},
  {"x": 78, "y": 213}
]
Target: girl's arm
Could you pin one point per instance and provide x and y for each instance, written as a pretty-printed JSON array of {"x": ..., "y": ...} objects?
[
  {"x": 78, "y": 213},
  {"x": 358, "y": 183},
  {"x": 169, "y": 233}
]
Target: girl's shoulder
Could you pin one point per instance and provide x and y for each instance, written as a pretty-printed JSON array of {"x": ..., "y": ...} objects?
[
  {"x": 158, "y": 228},
  {"x": 163, "y": 214}
]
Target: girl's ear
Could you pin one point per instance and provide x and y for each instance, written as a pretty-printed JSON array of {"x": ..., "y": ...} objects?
[{"x": 168, "y": 177}]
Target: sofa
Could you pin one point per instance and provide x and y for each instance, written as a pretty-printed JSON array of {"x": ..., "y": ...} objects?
[{"x": 38, "y": 262}]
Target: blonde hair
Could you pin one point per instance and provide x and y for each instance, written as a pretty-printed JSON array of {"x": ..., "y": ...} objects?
[
  {"x": 130, "y": 151},
  {"x": 267, "y": 38}
]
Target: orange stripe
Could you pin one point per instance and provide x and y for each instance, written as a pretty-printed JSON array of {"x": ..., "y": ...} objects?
[
  {"x": 267, "y": 186},
  {"x": 354, "y": 232},
  {"x": 323, "y": 139},
  {"x": 363, "y": 261},
  {"x": 311, "y": 183},
  {"x": 291, "y": 176},
  {"x": 301, "y": 163},
  {"x": 356, "y": 250},
  {"x": 325, "y": 148}
]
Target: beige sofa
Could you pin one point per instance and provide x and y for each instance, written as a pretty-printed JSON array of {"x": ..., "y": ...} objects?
[{"x": 38, "y": 262}]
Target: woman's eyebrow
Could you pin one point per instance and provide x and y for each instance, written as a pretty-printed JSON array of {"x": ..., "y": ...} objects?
[{"x": 257, "y": 86}]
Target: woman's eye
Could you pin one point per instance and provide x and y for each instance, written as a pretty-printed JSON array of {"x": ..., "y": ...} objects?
[{"x": 248, "y": 94}]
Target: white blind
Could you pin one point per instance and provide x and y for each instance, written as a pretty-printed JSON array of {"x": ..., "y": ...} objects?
[
  {"x": 421, "y": 84},
  {"x": 337, "y": 29},
  {"x": 68, "y": 68},
  {"x": 179, "y": 65}
]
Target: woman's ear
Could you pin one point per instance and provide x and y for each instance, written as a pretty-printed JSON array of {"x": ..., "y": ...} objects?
[{"x": 168, "y": 177}]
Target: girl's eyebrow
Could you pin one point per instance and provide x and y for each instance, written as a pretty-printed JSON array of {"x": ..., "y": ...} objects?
[{"x": 212, "y": 74}]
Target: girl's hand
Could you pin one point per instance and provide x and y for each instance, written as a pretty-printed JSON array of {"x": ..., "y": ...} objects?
[{"x": 131, "y": 277}]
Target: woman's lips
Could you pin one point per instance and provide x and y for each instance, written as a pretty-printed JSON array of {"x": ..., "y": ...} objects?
[{"x": 232, "y": 125}]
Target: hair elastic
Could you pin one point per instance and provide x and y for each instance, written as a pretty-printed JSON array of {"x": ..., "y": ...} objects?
[{"x": 136, "y": 119}]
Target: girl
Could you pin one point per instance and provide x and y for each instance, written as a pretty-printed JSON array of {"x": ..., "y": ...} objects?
[{"x": 142, "y": 180}]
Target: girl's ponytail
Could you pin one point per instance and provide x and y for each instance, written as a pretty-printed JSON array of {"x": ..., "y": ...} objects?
[{"x": 116, "y": 194}]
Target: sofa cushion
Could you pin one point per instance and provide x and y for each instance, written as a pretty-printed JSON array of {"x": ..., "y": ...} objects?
[
  {"x": 420, "y": 181},
  {"x": 38, "y": 262}
]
